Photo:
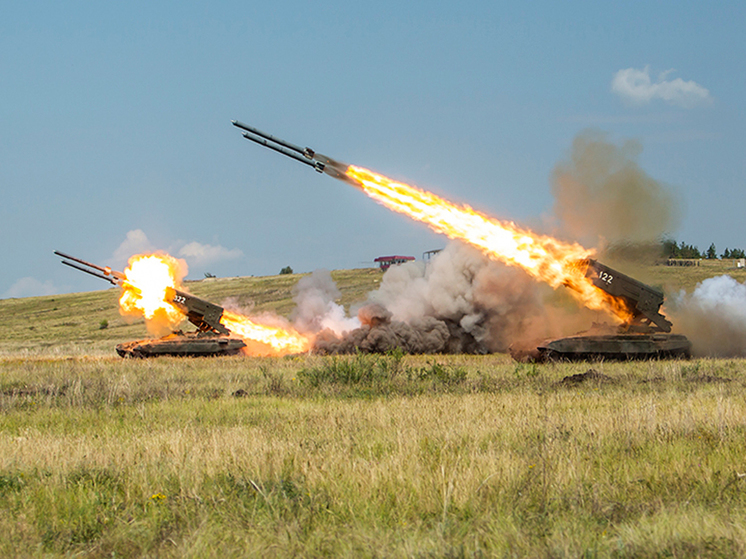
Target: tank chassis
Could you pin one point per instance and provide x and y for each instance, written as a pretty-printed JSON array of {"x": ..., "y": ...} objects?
[
  {"x": 210, "y": 338},
  {"x": 644, "y": 335}
]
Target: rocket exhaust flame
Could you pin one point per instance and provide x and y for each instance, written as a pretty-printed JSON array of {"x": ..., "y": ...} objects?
[
  {"x": 544, "y": 258},
  {"x": 280, "y": 341}
]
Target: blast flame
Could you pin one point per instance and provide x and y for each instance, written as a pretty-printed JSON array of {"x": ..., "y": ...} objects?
[
  {"x": 148, "y": 278},
  {"x": 545, "y": 258},
  {"x": 147, "y": 291},
  {"x": 278, "y": 340}
]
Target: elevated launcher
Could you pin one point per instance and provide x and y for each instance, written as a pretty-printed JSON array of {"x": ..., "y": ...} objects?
[
  {"x": 642, "y": 301},
  {"x": 203, "y": 314}
]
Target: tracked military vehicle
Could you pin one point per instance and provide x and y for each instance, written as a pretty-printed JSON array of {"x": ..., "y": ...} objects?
[
  {"x": 645, "y": 335},
  {"x": 211, "y": 338},
  {"x": 184, "y": 344}
]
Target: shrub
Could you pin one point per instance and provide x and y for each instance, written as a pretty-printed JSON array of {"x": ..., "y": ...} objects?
[{"x": 360, "y": 369}]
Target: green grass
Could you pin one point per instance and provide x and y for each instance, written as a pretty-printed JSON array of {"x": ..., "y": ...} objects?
[{"x": 246, "y": 457}]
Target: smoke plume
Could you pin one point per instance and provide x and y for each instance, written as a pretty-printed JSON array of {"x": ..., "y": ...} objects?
[
  {"x": 460, "y": 302},
  {"x": 603, "y": 196},
  {"x": 713, "y": 317},
  {"x": 316, "y": 308}
]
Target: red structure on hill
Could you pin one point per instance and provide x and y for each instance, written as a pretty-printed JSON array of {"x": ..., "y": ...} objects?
[{"x": 385, "y": 262}]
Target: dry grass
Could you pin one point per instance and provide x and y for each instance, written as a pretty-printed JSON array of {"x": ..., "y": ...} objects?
[
  {"x": 105, "y": 456},
  {"x": 361, "y": 456}
]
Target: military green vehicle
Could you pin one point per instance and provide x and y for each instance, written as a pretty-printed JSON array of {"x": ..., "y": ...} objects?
[
  {"x": 210, "y": 339},
  {"x": 185, "y": 344},
  {"x": 646, "y": 335}
]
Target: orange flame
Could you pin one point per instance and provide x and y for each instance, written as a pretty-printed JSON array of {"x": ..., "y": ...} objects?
[
  {"x": 543, "y": 257},
  {"x": 275, "y": 339},
  {"x": 147, "y": 291},
  {"x": 144, "y": 291}
]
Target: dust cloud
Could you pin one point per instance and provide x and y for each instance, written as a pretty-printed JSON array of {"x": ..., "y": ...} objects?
[
  {"x": 603, "y": 197},
  {"x": 460, "y": 302}
]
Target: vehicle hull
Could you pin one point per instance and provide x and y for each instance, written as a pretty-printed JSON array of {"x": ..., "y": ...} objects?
[
  {"x": 608, "y": 347},
  {"x": 193, "y": 344}
]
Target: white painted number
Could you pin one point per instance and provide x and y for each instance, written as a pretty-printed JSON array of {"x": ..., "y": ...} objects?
[{"x": 603, "y": 276}]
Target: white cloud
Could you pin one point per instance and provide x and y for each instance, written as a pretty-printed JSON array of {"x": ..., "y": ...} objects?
[
  {"x": 197, "y": 254},
  {"x": 136, "y": 243},
  {"x": 635, "y": 86},
  {"x": 29, "y": 287}
]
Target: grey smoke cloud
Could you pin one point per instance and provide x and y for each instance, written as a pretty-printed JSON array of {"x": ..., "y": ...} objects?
[
  {"x": 316, "y": 308},
  {"x": 461, "y": 302}
]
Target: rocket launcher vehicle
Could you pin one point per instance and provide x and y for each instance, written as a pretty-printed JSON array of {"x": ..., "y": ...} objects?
[
  {"x": 644, "y": 335},
  {"x": 211, "y": 337},
  {"x": 645, "y": 332}
]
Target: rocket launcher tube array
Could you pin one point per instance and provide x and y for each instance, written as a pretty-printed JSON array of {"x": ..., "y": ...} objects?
[
  {"x": 203, "y": 314},
  {"x": 308, "y": 156}
]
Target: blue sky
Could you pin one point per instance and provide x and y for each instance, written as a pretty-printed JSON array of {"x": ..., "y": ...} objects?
[{"x": 115, "y": 131}]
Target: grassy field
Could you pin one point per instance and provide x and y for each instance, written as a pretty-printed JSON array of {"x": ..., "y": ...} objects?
[{"x": 371, "y": 456}]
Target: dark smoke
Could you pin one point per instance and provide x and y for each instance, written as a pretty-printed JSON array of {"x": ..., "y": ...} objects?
[
  {"x": 379, "y": 334},
  {"x": 461, "y": 302},
  {"x": 602, "y": 196}
]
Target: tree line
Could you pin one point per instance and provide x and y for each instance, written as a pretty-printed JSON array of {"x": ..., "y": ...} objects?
[{"x": 672, "y": 249}]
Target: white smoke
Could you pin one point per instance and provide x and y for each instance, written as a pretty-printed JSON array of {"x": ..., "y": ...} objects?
[
  {"x": 316, "y": 308},
  {"x": 442, "y": 289},
  {"x": 713, "y": 317}
]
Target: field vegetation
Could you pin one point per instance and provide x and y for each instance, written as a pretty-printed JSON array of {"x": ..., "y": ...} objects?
[{"x": 371, "y": 456}]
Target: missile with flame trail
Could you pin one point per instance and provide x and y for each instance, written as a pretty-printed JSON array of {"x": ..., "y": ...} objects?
[
  {"x": 307, "y": 156},
  {"x": 545, "y": 258}
]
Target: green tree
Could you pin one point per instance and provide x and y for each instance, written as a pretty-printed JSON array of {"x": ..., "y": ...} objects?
[
  {"x": 670, "y": 248},
  {"x": 689, "y": 251},
  {"x": 712, "y": 252},
  {"x": 286, "y": 270}
]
